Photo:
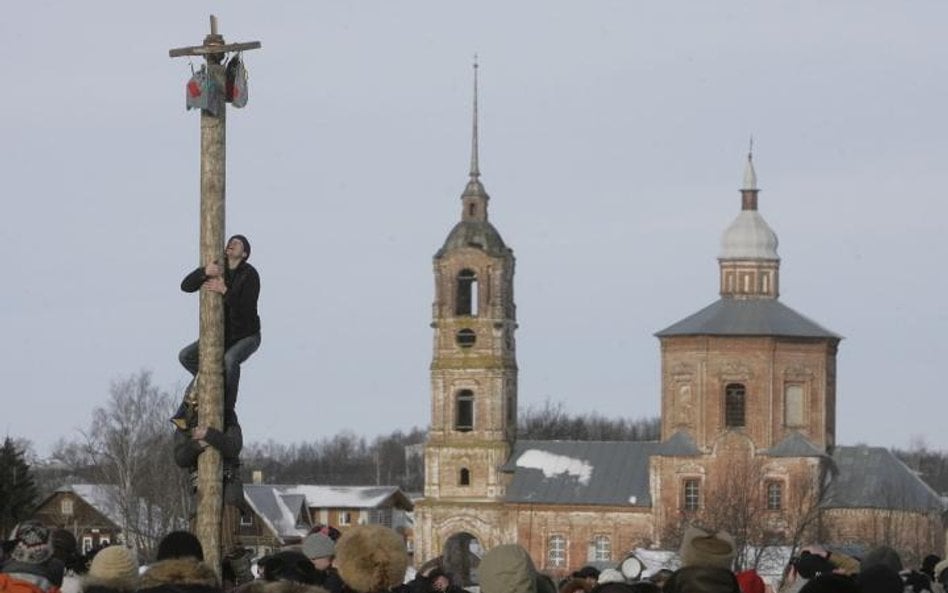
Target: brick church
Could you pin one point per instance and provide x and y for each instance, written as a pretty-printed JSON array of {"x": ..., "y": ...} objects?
[{"x": 748, "y": 424}]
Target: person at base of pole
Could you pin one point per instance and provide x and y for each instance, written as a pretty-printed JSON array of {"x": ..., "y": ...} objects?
[
  {"x": 239, "y": 284},
  {"x": 188, "y": 446}
]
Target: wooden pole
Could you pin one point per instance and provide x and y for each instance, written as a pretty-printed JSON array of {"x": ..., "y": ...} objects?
[{"x": 210, "y": 380}]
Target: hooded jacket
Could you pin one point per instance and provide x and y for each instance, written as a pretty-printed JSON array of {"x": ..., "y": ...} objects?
[{"x": 509, "y": 569}]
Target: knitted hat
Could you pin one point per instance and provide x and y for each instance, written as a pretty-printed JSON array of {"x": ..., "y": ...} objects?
[
  {"x": 371, "y": 558},
  {"x": 750, "y": 581},
  {"x": 811, "y": 565},
  {"x": 34, "y": 543},
  {"x": 246, "y": 243},
  {"x": 702, "y": 548},
  {"x": 318, "y": 545},
  {"x": 114, "y": 563},
  {"x": 180, "y": 544}
]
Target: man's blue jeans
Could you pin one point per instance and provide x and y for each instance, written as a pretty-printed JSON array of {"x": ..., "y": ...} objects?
[{"x": 233, "y": 357}]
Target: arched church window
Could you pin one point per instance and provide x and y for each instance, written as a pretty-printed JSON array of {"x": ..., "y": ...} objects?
[
  {"x": 466, "y": 293},
  {"x": 464, "y": 411},
  {"x": 734, "y": 405},
  {"x": 691, "y": 495},
  {"x": 556, "y": 552},
  {"x": 464, "y": 477}
]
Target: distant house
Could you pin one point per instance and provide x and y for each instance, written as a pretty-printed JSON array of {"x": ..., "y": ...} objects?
[
  {"x": 283, "y": 514},
  {"x": 89, "y": 511}
]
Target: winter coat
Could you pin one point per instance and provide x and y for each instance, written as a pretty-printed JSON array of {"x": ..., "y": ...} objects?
[
  {"x": 329, "y": 580},
  {"x": 229, "y": 443},
  {"x": 179, "y": 575},
  {"x": 10, "y": 583},
  {"x": 260, "y": 586},
  {"x": 240, "y": 300}
]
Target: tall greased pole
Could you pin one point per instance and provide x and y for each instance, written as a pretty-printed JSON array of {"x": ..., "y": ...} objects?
[{"x": 210, "y": 379}]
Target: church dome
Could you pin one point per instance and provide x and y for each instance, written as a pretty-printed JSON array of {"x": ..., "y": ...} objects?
[
  {"x": 749, "y": 237},
  {"x": 477, "y": 234}
]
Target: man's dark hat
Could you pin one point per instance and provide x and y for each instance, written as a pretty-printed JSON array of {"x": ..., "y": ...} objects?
[{"x": 246, "y": 243}]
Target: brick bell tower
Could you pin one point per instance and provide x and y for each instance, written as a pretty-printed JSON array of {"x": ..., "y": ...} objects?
[
  {"x": 473, "y": 377},
  {"x": 749, "y": 364}
]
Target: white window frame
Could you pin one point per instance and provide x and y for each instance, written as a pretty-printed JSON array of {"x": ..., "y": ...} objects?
[{"x": 556, "y": 551}]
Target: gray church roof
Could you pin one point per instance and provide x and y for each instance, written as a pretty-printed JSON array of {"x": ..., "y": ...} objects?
[
  {"x": 795, "y": 445},
  {"x": 679, "y": 444},
  {"x": 581, "y": 472},
  {"x": 747, "y": 317},
  {"x": 872, "y": 477},
  {"x": 477, "y": 234}
]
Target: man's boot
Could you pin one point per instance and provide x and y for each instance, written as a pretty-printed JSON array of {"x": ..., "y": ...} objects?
[{"x": 186, "y": 415}]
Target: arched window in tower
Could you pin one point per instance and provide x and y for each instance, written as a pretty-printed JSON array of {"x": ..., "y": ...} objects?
[
  {"x": 464, "y": 477},
  {"x": 734, "y": 405},
  {"x": 464, "y": 411},
  {"x": 466, "y": 293}
]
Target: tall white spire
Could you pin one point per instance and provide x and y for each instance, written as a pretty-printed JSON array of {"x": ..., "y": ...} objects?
[{"x": 475, "y": 170}]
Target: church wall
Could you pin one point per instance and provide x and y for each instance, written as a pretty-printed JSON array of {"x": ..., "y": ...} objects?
[
  {"x": 696, "y": 371},
  {"x": 914, "y": 535},
  {"x": 626, "y": 528}
]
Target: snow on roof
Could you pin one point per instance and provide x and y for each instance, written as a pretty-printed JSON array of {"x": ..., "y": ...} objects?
[
  {"x": 102, "y": 497},
  {"x": 279, "y": 512},
  {"x": 554, "y": 465},
  {"x": 355, "y": 497},
  {"x": 107, "y": 499}
]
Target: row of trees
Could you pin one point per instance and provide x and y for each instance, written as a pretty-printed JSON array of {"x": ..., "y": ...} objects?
[{"x": 129, "y": 446}]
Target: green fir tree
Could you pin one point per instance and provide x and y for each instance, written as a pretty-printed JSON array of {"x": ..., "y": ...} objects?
[{"x": 18, "y": 492}]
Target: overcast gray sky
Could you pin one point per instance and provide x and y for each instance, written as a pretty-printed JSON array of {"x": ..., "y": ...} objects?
[{"x": 613, "y": 137}]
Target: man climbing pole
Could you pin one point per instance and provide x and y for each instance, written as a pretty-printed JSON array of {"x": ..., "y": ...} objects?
[
  {"x": 239, "y": 284},
  {"x": 209, "y": 90}
]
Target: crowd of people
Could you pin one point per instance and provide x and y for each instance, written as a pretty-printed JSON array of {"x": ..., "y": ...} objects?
[{"x": 374, "y": 559}]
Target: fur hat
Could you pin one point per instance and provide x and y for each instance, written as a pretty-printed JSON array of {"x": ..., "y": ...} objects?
[
  {"x": 180, "y": 544},
  {"x": 371, "y": 558},
  {"x": 702, "y": 579},
  {"x": 114, "y": 566},
  {"x": 34, "y": 543},
  {"x": 318, "y": 545},
  {"x": 702, "y": 548}
]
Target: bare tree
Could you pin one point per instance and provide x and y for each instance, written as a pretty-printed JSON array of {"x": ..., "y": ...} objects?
[
  {"x": 736, "y": 499},
  {"x": 129, "y": 446}
]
